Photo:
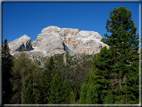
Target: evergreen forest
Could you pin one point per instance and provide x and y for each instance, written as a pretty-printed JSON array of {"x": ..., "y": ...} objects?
[{"x": 108, "y": 77}]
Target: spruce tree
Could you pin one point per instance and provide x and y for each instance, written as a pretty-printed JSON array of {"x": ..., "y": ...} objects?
[
  {"x": 56, "y": 90},
  {"x": 45, "y": 84},
  {"x": 92, "y": 97},
  {"x": 7, "y": 64},
  {"x": 46, "y": 80},
  {"x": 123, "y": 42},
  {"x": 88, "y": 94},
  {"x": 101, "y": 74},
  {"x": 130, "y": 89},
  {"x": 109, "y": 99},
  {"x": 66, "y": 95},
  {"x": 29, "y": 97},
  {"x": 83, "y": 94}
]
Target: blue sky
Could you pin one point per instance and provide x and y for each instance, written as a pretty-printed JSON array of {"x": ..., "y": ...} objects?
[{"x": 31, "y": 18}]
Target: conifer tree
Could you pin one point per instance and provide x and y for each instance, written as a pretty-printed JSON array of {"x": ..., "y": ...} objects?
[
  {"x": 7, "y": 64},
  {"x": 124, "y": 42},
  {"x": 66, "y": 93},
  {"x": 29, "y": 97},
  {"x": 91, "y": 95},
  {"x": 130, "y": 89},
  {"x": 59, "y": 90},
  {"x": 46, "y": 80},
  {"x": 83, "y": 94},
  {"x": 36, "y": 78},
  {"x": 101, "y": 74},
  {"x": 22, "y": 73},
  {"x": 56, "y": 90},
  {"x": 109, "y": 99},
  {"x": 45, "y": 84}
]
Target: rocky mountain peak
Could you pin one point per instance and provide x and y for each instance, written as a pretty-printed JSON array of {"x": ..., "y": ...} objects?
[
  {"x": 53, "y": 40},
  {"x": 22, "y": 43},
  {"x": 50, "y": 29}
]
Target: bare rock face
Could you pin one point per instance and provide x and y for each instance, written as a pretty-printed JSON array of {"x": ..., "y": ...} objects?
[
  {"x": 49, "y": 42},
  {"x": 22, "y": 43},
  {"x": 85, "y": 42},
  {"x": 53, "y": 40}
]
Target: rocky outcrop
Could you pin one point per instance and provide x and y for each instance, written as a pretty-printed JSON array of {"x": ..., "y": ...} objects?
[
  {"x": 85, "y": 42},
  {"x": 79, "y": 42},
  {"x": 53, "y": 40},
  {"x": 49, "y": 42},
  {"x": 22, "y": 43}
]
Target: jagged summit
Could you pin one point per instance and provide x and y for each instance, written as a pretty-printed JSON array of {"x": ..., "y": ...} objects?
[
  {"x": 22, "y": 43},
  {"x": 53, "y": 40}
]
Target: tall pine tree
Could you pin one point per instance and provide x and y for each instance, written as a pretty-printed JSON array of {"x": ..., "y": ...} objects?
[
  {"x": 46, "y": 80},
  {"x": 7, "y": 64},
  {"x": 101, "y": 73},
  {"x": 29, "y": 97},
  {"x": 58, "y": 93},
  {"x": 124, "y": 42},
  {"x": 55, "y": 96}
]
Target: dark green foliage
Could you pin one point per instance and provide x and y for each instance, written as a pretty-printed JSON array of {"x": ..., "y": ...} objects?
[
  {"x": 83, "y": 94},
  {"x": 109, "y": 99},
  {"x": 59, "y": 91},
  {"x": 115, "y": 68},
  {"x": 88, "y": 94},
  {"x": 66, "y": 93},
  {"x": 51, "y": 65},
  {"x": 36, "y": 78},
  {"x": 7, "y": 64},
  {"x": 88, "y": 73},
  {"x": 75, "y": 71},
  {"x": 122, "y": 28},
  {"x": 92, "y": 96},
  {"x": 56, "y": 90},
  {"x": 46, "y": 80},
  {"x": 22, "y": 73},
  {"x": 96, "y": 83},
  {"x": 29, "y": 97},
  {"x": 130, "y": 89},
  {"x": 124, "y": 45},
  {"x": 101, "y": 73}
]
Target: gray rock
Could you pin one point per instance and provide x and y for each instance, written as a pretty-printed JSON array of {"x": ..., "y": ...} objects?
[
  {"x": 22, "y": 43},
  {"x": 52, "y": 44},
  {"x": 53, "y": 40},
  {"x": 84, "y": 41}
]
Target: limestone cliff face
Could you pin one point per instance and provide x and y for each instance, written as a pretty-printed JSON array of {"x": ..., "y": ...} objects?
[
  {"x": 84, "y": 42},
  {"x": 53, "y": 40},
  {"x": 22, "y": 43},
  {"x": 79, "y": 42}
]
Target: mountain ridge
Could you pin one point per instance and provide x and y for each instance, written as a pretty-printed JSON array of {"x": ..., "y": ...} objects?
[{"x": 54, "y": 40}]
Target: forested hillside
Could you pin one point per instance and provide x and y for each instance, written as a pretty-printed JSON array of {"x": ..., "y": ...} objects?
[{"x": 108, "y": 77}]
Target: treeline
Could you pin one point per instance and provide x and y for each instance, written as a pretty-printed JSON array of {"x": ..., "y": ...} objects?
[
  {"x": 109, "y": 77},
  {"x": 57, "y": 83}
]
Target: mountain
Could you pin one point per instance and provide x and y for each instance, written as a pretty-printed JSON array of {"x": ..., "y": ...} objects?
[
  {"x": 54, "y": 40},
  {"x": 22, "y": 43}
]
